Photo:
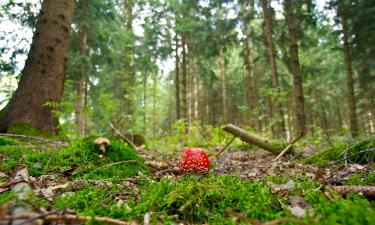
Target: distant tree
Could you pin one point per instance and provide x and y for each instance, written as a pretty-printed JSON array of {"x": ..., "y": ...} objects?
[
  {"x": 295, "y": 67},
  {"x": 280, "y": 124},
  {"x": 42, "y": 81}
]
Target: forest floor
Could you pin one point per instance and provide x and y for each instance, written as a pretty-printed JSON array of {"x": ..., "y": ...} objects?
[{"x": 55, "y": 184}]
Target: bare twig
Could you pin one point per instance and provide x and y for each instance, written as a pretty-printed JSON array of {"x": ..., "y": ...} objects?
[
  {"x": 38, "y": 216},
  {"x": 346, "y": 158},
  {"x": 283, "y": 152},
  {"x": 60, "y": 143},
  {"x": 69, "y": 218},
  {"x": 117, "y": 163},
  {"x": 11, "y": 183},
  {"x": 284, "y": 220},
  {"x": 123, "y": 137},
  {"x": 225, "y": 147}
]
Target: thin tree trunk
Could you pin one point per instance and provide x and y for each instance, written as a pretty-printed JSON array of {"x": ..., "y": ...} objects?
[
  {"x": 223, "y": 88},
  {"x": 195, "y": 89},
  {"x": 353, "y": 124},
  {"x": 206, "y": 106},
  {"x": 42, "y": 79},
  {"x": 145, "y": 102},
  {"x": 250, "y": 91},
  {"x": 177, "y": 59},
  {"x": 81, "y": 77},
  {"x": 296, "y": 70},
  {"x": 128, "y": 66},
  {"x": 154, "y": 97},
  {"x": 184, "y": 105},
  {"x": 280, "y": 123}
]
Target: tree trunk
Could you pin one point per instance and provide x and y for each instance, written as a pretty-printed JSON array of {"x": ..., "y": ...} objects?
[
  {"x": 128, "y": 67},
  {"x": 353, "y": 124},
  {"x": 296, "y": 70},
  {"x": 154, "y": 97},
  {"x": 42, "y": 79},
  {"x": 145, "y": 77},
  {"x": 279, "y": 127},
  {"x": 195, "y": 89},
  {"x": 177, "y": 59},
  {"x": 223, "y": 89},
  {"x": 250, "y": 91},
  {"x": 82, "y": 76},
  {"x": 184, "y": 104}
]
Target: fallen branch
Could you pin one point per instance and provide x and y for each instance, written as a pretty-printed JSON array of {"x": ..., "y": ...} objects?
[
  {"x": 121, "y": 135},
  {"x": 249, "y": 138},
  {"x": 68, "y": 218},
  {"x": 367, "y": 191}
]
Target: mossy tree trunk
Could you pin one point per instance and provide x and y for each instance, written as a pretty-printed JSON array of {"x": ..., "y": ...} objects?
[{"x": 42, "y": 81}]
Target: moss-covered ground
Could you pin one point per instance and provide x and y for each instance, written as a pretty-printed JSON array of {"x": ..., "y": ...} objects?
[{"x": 120, "y": 185}]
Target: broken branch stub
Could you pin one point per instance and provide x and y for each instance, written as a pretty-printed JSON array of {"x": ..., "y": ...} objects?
[{"x": 249, "y": 138}]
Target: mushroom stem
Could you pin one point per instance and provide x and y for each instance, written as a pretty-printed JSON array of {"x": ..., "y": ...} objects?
[{"x": 102, "y": 148}]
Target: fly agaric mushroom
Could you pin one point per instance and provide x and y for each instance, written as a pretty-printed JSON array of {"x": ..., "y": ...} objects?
[
  {"x": 194, "y": 160},
  {"x": 102, "y": 143}
]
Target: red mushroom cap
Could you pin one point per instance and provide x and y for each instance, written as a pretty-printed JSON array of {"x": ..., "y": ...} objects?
[{"x": 194, "y": 159}]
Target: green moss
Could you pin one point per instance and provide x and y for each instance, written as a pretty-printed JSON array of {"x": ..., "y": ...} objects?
[
  {"x": 29, "y": 130},
  {"x": 361, "y": 151},
  {"x": 6, "y": 197},
  {"x": 207, "y": 199},
  {"x": 361, "y": 179},
  {"x": 81, "y": 157},
  {"x": 4, "y": 141}
]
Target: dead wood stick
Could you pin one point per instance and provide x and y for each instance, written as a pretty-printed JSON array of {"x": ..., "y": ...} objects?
[
  {"x": 68, "y": 218},
  {"x": 284, "y": 220},
  {"x": 121, "y": 135},
  {"x": 225, "y": 147},
  {"x": 249, "y": 138},
  {"x": 367, "y": 191},
  {"x": 114, "y": 164},
  {"x": 288, "y": 147},
  {"x": 11, "y": 183},
  {"x": 346, "y": 158},
  {"x": 35, "y": 138}
]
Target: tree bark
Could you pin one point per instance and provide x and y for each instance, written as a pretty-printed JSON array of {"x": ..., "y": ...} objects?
[
  {"x": 195, "y": 89},
  {"x": 223, "y": 88},
  {"x": 353, "y": 124},
  {"x": 250, "y": 90},
  {"x": 295, "y": 66},
  {"x": 249, "y": 138},
  {"x": 42, "y": 79},
  {"x": 82, "y": 76},
  {"x": 184, "y": 104},
  {"x": 128, "y": 67},
  {"x": 279, "y": 127},
  {"x": 177, "y": 59}
]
